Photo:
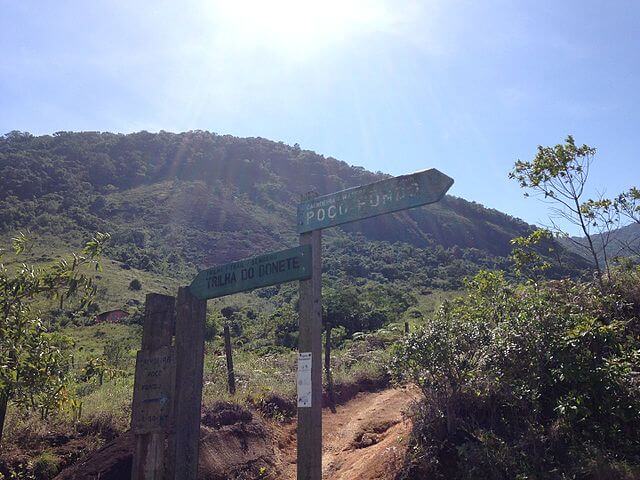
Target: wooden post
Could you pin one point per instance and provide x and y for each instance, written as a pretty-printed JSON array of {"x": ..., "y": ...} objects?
[
  {"x": 406, "y": 328},
  {"x": 4, "y": 400},
  {"x": 149, "y": 456},
  {"x": 231, "y": 379},
  {"x": 190, "y": 318},
  {"x": 327, "y": 368},
  {"x": 310, "y": 341}
]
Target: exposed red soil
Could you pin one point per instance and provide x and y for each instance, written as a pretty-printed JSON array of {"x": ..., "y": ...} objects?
[
  {"x": 233, "y": 445},
  {"x": 65, "y": 445},
  {"x": 111, "y": 462},
  {"x": 364, "y": 440}
]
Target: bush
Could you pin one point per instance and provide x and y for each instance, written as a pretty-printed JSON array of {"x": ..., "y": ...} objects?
[
  {"x": 46, "y": 465},
  {"x": 135, "y": 285},
  {"x": 526, "y": 381},
  {"x": 211, "y": 327}
]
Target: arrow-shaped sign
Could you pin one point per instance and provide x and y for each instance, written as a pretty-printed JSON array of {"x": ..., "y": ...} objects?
[
  {"x": 385, "y": 196},
  {"x": 262, "y": 271}
]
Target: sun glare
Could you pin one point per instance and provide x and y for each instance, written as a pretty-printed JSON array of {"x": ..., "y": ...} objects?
[{"x": 297, "y": 26}]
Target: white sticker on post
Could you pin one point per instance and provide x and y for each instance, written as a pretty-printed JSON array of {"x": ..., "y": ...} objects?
[{"x": 304, "y": 379}]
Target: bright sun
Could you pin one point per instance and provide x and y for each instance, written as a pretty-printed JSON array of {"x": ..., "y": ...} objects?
[{"x": 297, "y": 26}]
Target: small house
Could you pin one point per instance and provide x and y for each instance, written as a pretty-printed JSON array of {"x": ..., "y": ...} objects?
[{"x": 112, "y": 316}]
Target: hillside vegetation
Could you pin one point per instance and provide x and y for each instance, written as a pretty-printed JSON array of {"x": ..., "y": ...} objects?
[
  {"x": 528, "y": 380},
  {"x": 175, "y": 203}
]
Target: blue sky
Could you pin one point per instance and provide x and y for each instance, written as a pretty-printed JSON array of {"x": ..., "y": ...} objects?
[{"x": 393, "y": 85}]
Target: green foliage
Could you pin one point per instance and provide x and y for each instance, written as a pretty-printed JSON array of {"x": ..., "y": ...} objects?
[
  {"x": 116, "y": 353},
  {"x": 95, "y": 367},
  {"x": 628, "y": 203},
  {"x": 559, "y": 175},
  {"x": 211, "y": 326},
  {"x": 285, "y": 326},
  {"x": 527, "y": 381},
  {"x": 360, "y": 309},
  {"x": 46, "y": 465},
  {"x": 527, "y": 262},
  {"x": 338, "y": 336},
  {"x": 34, "y": 363},
  {"x": 555, "y": 170}
]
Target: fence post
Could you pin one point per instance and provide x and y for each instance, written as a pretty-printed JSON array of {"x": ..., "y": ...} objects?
[
  {"x": 150, "y": 451},
  {"x": 231, "y": 379},
  {"x": 190, "y": 319}
]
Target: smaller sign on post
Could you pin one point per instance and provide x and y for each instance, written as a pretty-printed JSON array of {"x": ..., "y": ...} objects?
[
  {"x": 153, "y": 387},
  {"x": 304, "y": 379},
  {"x": 262, "y": 271}
]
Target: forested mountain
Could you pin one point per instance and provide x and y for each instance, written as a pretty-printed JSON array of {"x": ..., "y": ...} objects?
[{"x": 177, "y": 202}]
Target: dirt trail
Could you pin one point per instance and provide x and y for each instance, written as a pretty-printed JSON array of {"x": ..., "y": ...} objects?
[{"x": 364, "y": 440}]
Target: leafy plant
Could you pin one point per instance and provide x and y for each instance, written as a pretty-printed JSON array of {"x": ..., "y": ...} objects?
[
  {"x": 559, "y": 175},
  {"x": 524, "y": 380},
  {"x": 34, "y": 363}
]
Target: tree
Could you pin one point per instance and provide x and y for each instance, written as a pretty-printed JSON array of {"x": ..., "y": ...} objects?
[
  {"x": 515, "y": 375},
  {"x": 604, "y": 217},
  {"x": 33, "y": 362},
  {"x": 559, "y": 174},
  {"x": 285, "y": 325},
  {"x": 628, "y": 205},
  {"x": 342, "y": 307}
]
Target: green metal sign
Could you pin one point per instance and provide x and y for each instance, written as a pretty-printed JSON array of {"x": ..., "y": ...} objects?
[
  {"x": 262, "y": 271},
  {"x": 385, "y": 196}
]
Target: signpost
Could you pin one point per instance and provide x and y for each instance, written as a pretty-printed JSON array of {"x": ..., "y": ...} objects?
[
  {"x": 314, "y": 214},
  {"x": 191, "y": 314},
  {"x": 386, "y": 196},
  {"x": 153, "y": 390},
  {"x": 168, "y": 381},
  {"x": 262, "y": 271},
  {"x": 309, "y": 379}
]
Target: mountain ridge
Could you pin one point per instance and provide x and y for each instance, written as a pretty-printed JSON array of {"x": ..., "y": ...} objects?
[
  {"x": 193, "y": 199},
  {"x": 621, "y": 242}
]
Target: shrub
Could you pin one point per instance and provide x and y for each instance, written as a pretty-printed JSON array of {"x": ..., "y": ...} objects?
[
  {"x": 525, "y": 381},
  {"x": 210, "y": 327},
  {"x": 135, "y": 284},
  {"x": 46, "y": 465}
]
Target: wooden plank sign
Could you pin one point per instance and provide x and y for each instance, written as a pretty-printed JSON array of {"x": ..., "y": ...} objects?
[
  {"x": 262, "y": 271},
  {"x": 153, "y": 387},
  {"x": 385, "y": 196}
]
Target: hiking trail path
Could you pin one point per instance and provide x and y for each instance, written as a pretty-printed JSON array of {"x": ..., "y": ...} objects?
[{"x": 366, "y": 439}]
